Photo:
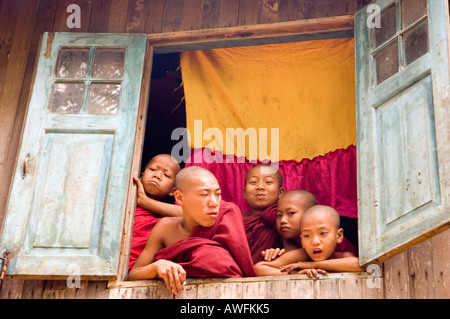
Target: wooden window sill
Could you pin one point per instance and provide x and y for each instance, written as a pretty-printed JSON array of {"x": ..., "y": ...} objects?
[{"x": 333, "y": 285}]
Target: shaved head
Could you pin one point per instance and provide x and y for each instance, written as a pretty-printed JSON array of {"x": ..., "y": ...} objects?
[
  {"x": 266, "y": 170},
  {"x": 305, "y": 198},
  {"x": 329, "y": 212},
  {"x": 320, "y": 232},
  {"x": 188, "y": 173},
  {"x": 169, "y": 158}
]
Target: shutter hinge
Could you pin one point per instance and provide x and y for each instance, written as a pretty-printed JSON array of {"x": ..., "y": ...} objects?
[{"x": 4, "y": 263}]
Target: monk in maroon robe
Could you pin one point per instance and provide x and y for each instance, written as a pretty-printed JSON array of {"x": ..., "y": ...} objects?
[
  {"x": 144, "y": 221},
  {"x": 207, "y": 241},
  {"x": 156, "y": 184},
  {"x": 263, "y": 187},
  {"x": 217, "y": 251}
]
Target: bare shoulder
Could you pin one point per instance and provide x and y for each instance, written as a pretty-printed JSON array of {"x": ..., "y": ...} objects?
[
  {"x": 167, "y": 223},
  {"x": 167, "y": 230}
]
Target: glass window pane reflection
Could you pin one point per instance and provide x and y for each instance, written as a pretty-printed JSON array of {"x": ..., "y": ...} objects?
[
  {"x": 103, "y": 98},
  {"x": 67, "y": 98},
  {"x": 109, "y": 63}
]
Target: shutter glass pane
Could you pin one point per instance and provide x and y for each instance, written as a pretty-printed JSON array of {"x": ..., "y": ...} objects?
[
  {"x": 76, "y": 63},
  {"x": 387, "y": 62},
  {"x": 103, "y": 98},
  {"x": 72, "y": 63},
  {"x": 413, "y": 10},
  {"x": 109, "y": 64},
  {"x": 416, "y": 42},
  {"x": 67, "y": 98},
  {"x": 387, "y": 26}
]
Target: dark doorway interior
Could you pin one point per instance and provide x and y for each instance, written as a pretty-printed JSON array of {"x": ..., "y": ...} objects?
[{"x": 166, "y": 107}]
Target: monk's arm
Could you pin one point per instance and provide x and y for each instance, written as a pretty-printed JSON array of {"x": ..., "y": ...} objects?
[
  {"x": 145, "y": 267},
  {"x": 349, "y": 263},
  {"x": 272, "y": 268}
]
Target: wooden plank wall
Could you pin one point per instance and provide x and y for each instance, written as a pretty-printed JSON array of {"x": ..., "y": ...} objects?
[{"x": 423, "y": 271}]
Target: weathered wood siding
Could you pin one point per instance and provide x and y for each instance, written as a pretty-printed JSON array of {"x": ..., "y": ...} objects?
[
  {"x": 422, "y": 271},
  {"x": 336, "y": 286}
]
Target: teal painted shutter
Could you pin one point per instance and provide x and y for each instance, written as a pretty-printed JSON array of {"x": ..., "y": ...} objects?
[
  {"x": 403, "y": 127},
  {"x": 66, "y": 205}
]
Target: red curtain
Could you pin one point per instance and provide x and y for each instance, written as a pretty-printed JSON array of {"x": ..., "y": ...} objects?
[{"x": 331, "y": 177}]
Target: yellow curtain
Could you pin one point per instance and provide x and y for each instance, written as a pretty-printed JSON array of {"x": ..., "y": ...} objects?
[{"x": 306, "y": 90}]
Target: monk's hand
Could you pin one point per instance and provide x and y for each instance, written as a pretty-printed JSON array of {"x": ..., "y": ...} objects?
[
  {"x": 292, "y": 267},
  {"x": 272, "y": 253},
  {"x": 313, "y": 273},
  {"x": 173, "y": 274},
  {"x": 141, "y": 195}
]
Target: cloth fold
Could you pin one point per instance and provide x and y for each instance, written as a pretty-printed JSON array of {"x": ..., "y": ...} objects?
[{"x": 261, "y": 231}]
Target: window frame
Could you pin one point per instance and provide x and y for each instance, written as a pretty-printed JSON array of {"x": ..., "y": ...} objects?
[{"x": 274, "y": 33}]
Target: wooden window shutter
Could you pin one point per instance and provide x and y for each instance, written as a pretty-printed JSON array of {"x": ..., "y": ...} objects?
[
  {"x": 403, "y": 127},
  {"x": 67, "y": 200}
]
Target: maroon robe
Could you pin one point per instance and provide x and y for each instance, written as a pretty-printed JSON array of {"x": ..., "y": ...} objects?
[
  {"x": 144, "y": 221},
  {"x": 261, "y": 231},
  {"x": 217, "y": 251}
]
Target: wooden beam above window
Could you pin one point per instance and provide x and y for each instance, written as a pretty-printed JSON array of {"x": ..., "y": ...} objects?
[{"x": 292, "y": 31}]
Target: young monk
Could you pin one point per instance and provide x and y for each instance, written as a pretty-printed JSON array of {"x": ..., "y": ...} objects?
[
  {"x": 156, "y": 184},
  {"x": 291, "y": 206},
  {"x": 208, "y": 240},
  {"x": 263, "y": 187},
  {"x": 320, "y": 233}
]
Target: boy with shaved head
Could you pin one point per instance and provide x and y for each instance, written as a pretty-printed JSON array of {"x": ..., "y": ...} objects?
[
  {"x": 291, "y": 206},
  {"x": 320, "y": 232},
  {"x": 155, "y": 189},
  {"x": 263, "y": 187},
  {"x": 208, "y": 240}
]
